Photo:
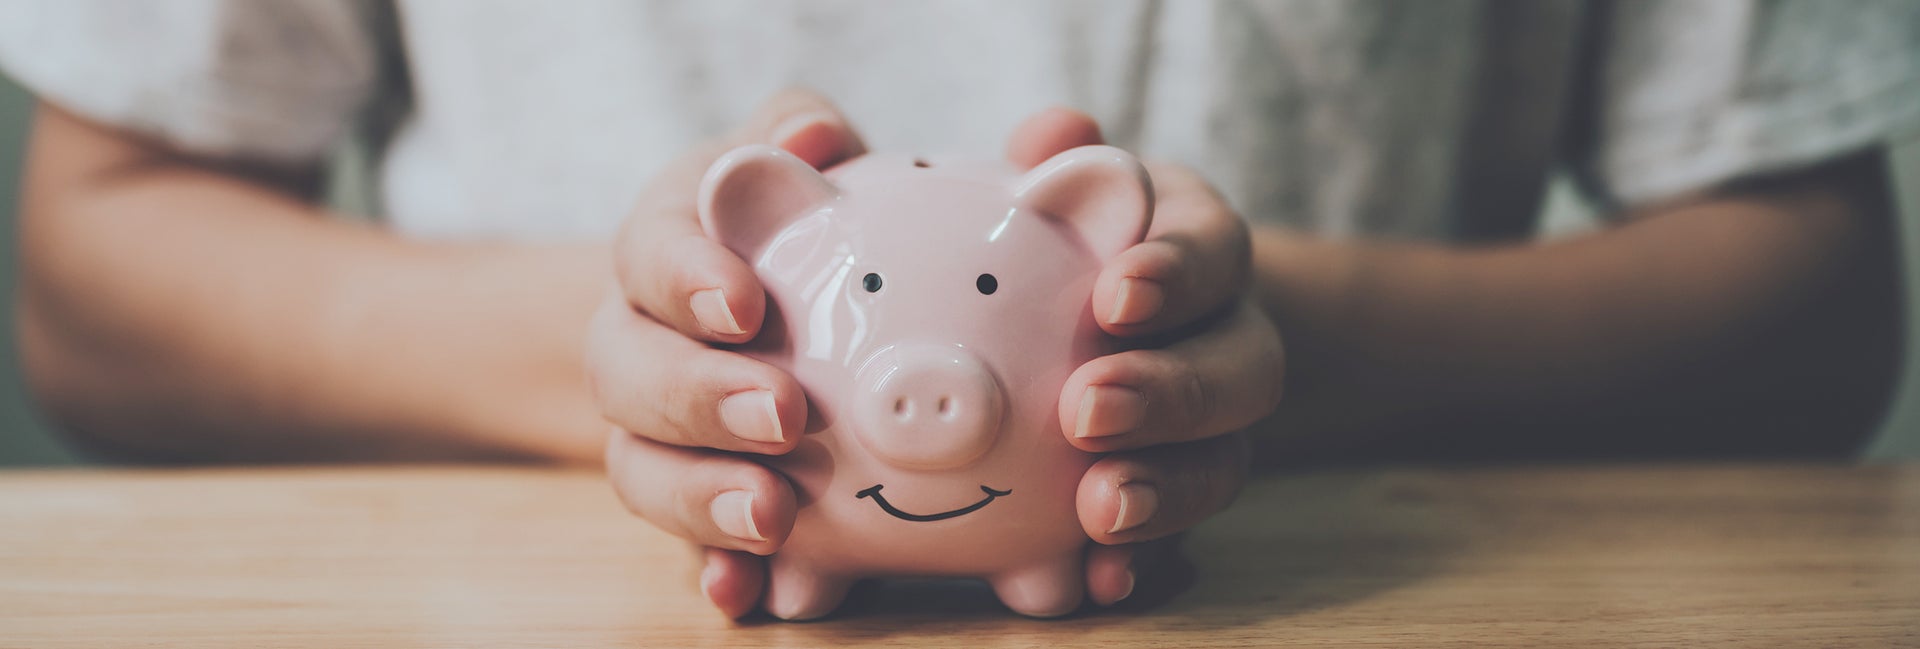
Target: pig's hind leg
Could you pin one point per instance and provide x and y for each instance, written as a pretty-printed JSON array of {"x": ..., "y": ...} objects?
[
  {"x": 1047, "y": 589},
  {"x": 797, "y": 590}
]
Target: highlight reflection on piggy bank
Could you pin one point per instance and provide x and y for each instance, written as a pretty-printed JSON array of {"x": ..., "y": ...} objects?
[{"x": 932, "y": 310}]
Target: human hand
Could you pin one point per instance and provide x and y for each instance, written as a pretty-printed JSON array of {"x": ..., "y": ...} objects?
[
  {"x": 1167, "y": 412},
  {"x": 1196, "y": 246},
  {"x": 677, "y": 403}
]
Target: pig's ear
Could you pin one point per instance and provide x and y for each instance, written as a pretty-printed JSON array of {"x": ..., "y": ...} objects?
[
  {"x": 753, "y": 192},
  {"x": 1101, "y": 191}
]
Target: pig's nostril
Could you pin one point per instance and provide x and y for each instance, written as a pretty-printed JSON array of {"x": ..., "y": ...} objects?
[
  {"x": 946, "y": 407},
  {"x": 902, "y": 409}
]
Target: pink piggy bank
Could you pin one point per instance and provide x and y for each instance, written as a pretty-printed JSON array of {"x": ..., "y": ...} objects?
[{"x": 932, "y": 310}]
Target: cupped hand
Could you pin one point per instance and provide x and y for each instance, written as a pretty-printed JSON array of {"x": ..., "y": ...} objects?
[
  {"x": 676, "y": 402},
  {"x": 1204, "y": 364}
]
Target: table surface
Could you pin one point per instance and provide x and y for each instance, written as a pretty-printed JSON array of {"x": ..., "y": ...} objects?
[{"x": 1751, "y": 555}]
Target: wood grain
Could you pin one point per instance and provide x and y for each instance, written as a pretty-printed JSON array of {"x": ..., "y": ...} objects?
[{"x": 1763, "y": 556}]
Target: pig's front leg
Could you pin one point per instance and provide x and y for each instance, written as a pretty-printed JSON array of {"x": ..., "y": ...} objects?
[
  {"x": 1046, "y": 589},
  {"x": 796, "y": 590}
]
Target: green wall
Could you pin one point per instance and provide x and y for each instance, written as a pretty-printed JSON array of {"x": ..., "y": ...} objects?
[
  {"x": 1900, "y": 435},
  {"x": 24, "y": 439}
]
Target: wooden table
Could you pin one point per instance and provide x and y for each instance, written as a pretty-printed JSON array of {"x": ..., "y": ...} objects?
[{"x": 1792, "y": 556}]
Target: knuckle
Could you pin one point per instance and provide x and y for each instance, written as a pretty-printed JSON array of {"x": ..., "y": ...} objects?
[
  {"x": 1258, "y": 371},
  {"x": 676, "y": 265},
  {"x": 1231, "y": 244},
  {"x": 1211, "y": 484},
  {"x": 689, "y": 510},
  {"x": 677, "y": 407},
  {"x": 639, "y": 418},
  {"x": 1200, "y": 400},
  {"x": 1204, "y": 499}
]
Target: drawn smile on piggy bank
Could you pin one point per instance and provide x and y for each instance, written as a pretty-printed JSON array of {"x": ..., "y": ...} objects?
[{"x": 874, "y": 493}]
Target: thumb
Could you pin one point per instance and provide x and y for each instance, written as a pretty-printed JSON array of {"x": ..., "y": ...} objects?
[
  {"x": 1050, "y": 132},
  {"x": 806, "y": 124}
]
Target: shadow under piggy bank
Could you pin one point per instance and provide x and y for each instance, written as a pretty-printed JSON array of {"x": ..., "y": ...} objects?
[{"x": 1290, "y": 545}]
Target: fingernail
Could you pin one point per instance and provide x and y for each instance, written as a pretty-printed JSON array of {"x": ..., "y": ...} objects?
[
  {"x": 733, "y": 513},
  {"x": 1136, "y": 301},
  {"x": 1110, "y": 410},
  {"x": 1137, "y": 504},
  {"x": 1128, "y": 588},
  {"x": 710, "y": 309},
  {"x": 752, "y": 416}
]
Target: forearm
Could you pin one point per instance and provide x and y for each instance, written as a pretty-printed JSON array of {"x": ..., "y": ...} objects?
[
  {"x": 1668, "y": 332},
  {"x": 172, "y": 312}
]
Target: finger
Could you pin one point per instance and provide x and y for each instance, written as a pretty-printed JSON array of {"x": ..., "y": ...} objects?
[
  {"x": 733, "y": 580},
  {"x": 1048, "y": 133},
  {"x": 662, "y": 386},
  {"x": 666, "y": 265},
  {"x": 1193, "y": 262},
  {"x": 1219, "y": 380},
  {"x": 692, "y": 284},
  {"x": 1144, "y": 495},
  {"x": 806, "y": 124},
  {"x": 708, "y": 498},
  {"x": 1134, "y": 571},
  {"x": 1110, "y": 574}
]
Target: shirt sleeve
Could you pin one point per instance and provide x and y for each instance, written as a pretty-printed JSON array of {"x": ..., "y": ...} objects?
[
  {"x": 275, "y": 80},
  {"x": 1688, "y": 94}
]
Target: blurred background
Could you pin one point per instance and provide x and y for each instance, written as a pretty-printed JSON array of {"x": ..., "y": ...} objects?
[{"x": 26, "y": 440}]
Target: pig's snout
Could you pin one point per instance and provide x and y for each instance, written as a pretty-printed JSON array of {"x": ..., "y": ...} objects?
[{"x": 928, "y": 406}]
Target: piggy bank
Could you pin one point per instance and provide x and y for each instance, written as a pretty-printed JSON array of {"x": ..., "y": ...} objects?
[{"x": 932, "y": 310}]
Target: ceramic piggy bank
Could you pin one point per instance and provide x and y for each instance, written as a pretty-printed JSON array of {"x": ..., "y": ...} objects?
[{"x": 932, "y": 310}]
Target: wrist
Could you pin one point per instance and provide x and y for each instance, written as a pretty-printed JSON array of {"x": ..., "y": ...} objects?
[{"x": 503, "y": 375}]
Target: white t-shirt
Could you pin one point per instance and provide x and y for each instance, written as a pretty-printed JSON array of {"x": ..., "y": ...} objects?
[{"x": 1436, "y": 119}]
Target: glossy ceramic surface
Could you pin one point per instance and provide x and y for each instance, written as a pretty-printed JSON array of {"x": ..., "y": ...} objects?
[{"x": 932, "y": 309}]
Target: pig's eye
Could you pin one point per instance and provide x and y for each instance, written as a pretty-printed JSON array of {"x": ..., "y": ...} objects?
[
  {"x": 871, "y": 282},
  {"x": 987, "y": 284}
]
